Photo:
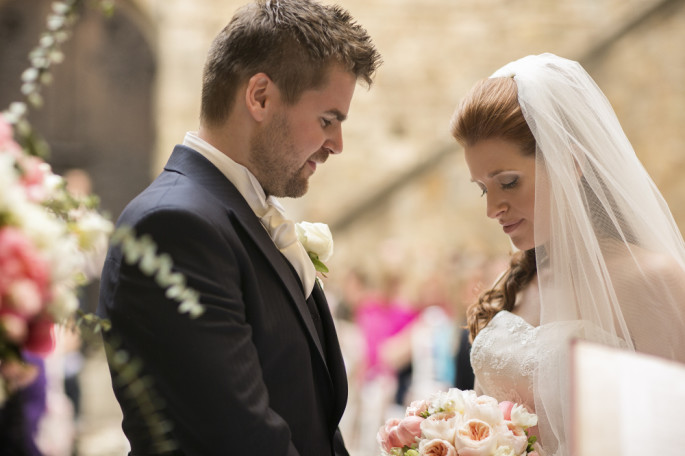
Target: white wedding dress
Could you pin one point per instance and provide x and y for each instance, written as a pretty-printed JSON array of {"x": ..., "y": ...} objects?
[{"x": 504, "y": 357}]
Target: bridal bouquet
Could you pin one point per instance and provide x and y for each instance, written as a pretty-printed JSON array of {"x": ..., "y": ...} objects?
[
  {"x": 51, "y": 243},
  {"x": 459, "y": 423}
]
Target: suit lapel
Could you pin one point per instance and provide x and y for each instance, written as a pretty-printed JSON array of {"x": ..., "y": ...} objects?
[
  {"x": 336, "y": 365},
  {"x": 189, "y": 162}
]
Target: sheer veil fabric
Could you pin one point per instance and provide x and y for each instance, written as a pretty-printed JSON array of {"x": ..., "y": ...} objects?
[{"x": 610, "y": 258}]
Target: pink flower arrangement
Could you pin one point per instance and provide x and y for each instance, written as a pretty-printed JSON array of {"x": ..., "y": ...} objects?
[
  {"x": 459, "y": 423},
  {"x": 47, "y": 238}
]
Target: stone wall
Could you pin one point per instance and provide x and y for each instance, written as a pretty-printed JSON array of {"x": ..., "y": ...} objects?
[{"x": 434, "y": 50}]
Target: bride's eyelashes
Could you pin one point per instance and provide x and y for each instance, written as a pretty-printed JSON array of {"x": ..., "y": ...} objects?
[
  {"x": 511, "y": 183},
  {"x": 505, "y": 185}
]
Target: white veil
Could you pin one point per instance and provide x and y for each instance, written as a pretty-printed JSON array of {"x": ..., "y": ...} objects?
[{"x": 610, "y": 258}]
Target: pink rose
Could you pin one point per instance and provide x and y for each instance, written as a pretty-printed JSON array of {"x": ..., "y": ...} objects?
[
  {"x": 475, "y": 438},
  {"x": 409, "y": 430},
  {"x": 34, "y": 173},
  {"x": 437, "y": 447},
  {"x": 505, "y": 407},
  {"x": 399, "y": 433},
  {"x": 41, "y": 340},
  {"x": 19, "y": 259},
  {"x": 387, "y": 435}
]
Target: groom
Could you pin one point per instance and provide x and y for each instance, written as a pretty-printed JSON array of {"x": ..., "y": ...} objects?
[{"x": 260, "y": 371}]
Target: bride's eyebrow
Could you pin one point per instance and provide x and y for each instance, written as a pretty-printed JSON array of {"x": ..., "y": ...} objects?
[
  {"x": 496, "y": 172},
  {"x": 501, "y": 171}
]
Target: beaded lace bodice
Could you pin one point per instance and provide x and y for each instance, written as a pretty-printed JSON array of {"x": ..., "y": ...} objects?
[{"x": 504, "y": 357}]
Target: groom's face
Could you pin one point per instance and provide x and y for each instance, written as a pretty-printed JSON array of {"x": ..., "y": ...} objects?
[{"x": 297, "y": 138}]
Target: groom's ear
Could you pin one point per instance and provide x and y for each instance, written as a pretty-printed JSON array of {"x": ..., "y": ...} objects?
[{"x": 260, "y": 94}]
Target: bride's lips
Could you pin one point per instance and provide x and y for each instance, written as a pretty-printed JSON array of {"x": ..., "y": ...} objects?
[{"x": 511, "y": 226}]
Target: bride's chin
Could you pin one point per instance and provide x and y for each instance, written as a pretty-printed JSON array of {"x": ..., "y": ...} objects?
[{"x": 522, "y": 244}]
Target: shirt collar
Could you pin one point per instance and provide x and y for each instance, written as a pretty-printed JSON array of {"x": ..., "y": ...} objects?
[{"x": 246, "y": 183}]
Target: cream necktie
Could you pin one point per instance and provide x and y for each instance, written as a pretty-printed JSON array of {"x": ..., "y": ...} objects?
[{"x": 283, "y": 233}]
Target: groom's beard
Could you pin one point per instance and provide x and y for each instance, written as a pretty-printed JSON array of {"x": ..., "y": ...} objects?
[{"x": 274, "y": 163}]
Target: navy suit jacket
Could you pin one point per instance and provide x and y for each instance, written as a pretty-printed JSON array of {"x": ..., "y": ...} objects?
[{"x": 260, "y": 372}]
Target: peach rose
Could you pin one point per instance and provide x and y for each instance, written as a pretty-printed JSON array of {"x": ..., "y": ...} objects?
[
  {"x": 436, "y": 447},
  {"x": 475, "y": 438}
]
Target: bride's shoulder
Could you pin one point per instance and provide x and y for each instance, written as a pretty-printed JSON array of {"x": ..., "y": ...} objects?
[{"x": 657, "y": 266}]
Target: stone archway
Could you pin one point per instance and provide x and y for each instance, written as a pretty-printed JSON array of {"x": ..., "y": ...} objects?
[{"x": 98, "y": 111}]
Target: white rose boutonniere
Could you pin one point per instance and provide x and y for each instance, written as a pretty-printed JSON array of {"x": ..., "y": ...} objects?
[{"x": 317, "y": 241}]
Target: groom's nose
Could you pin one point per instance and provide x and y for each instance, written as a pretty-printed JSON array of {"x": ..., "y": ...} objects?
[{"x": 334, "y": 142}]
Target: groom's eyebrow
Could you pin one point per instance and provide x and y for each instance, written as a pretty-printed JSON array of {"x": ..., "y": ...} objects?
[{"x": 338, "y": 115}]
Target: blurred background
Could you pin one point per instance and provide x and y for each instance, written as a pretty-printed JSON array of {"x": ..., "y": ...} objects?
[{"x": 412, "y": 243}]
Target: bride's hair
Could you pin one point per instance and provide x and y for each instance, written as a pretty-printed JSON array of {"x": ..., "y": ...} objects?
[{"x": 491, "y": 111}]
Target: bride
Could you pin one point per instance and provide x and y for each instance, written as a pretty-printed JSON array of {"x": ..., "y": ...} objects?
[{"x": 598, "y": 257}]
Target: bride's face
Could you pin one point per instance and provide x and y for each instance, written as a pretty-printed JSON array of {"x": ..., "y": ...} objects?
[{"x": 506, "y": 177}]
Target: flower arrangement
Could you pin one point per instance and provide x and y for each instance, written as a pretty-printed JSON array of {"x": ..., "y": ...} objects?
[
  {"x": 51, "y": 243},
  {"x": 459, "y": 423}
]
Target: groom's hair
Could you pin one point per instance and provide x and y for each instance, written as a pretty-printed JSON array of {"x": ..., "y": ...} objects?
[{"x": 295, "y": 42}]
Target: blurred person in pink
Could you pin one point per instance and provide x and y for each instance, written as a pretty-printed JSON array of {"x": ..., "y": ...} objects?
[{"x": 382, "y": 315}]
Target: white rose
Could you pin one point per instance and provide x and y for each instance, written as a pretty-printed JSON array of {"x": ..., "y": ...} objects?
[
  {"x": 505, "y": 451},
  {"x": 41, "y": 226},
  {"x": 521, "y": 417},
  {"x": 441, "y": 426},
  {"x": 512, "y": 436},
  {"x": 316, "y": 238},
  {"x": 483, "y": 407},
  {"x": 450, "y": 401}
]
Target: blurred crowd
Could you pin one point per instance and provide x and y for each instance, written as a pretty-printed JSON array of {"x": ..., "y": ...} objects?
[{"x": 403, "y": 335}]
